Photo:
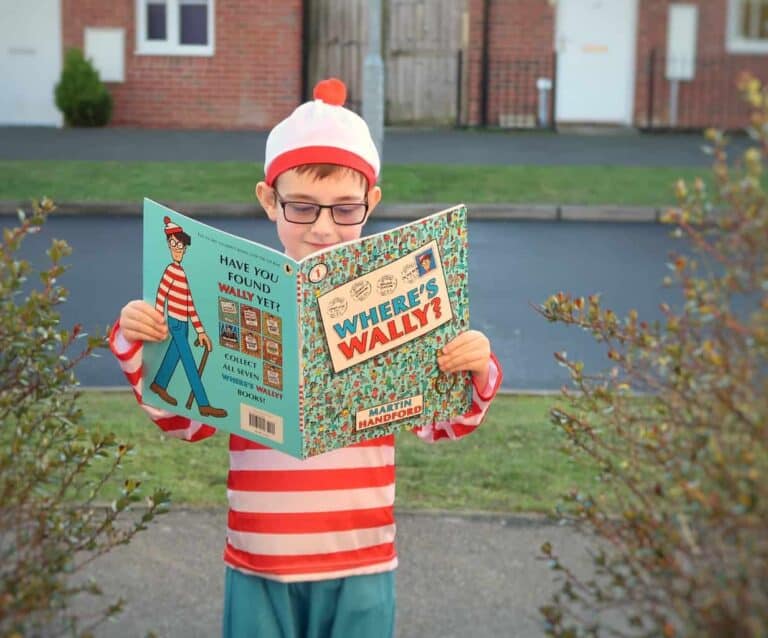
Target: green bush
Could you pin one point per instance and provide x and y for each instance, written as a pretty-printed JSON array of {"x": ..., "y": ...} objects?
[
  {"x": 680, "y": 529},
  {"x": 53, "y": 516},
  {"x": 80, "y": 94}
]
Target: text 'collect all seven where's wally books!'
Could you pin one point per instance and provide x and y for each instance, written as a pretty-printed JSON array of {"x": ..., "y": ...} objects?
[{"x": 312, "y": 355}]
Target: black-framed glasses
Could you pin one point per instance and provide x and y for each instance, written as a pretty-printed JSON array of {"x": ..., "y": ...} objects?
[{"x": 345, "y": 214}]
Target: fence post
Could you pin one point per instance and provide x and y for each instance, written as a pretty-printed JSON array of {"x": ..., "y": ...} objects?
[
  {"x": 459, "y": 76},
  {"x": 651, "y": 77},
  {"x": 306, "y": 46},
  {"x": 484, "y": 79}
]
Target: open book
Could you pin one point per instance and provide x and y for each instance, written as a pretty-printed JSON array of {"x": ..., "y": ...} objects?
[{"x": 306, "y": 356}]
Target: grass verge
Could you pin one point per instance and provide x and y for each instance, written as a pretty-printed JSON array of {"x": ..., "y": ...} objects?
[
  {"x": 233, "y": 182},
  {"x": 513, "y": 463}
]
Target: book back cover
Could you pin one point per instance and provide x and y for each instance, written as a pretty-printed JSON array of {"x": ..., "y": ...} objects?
[{"x": 239, "y": 297}]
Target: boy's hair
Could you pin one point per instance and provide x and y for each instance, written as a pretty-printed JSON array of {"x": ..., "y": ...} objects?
[
  {"x": 324, "y": 171},
  {"x": 182, "y": 237}
]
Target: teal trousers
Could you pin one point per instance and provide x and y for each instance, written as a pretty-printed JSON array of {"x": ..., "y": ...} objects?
[{"x": 351, "y": 607}]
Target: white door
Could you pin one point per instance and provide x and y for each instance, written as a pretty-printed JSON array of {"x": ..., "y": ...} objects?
[
  {"x": 30, "y": 61},
  {"x": 595, "y": 42}
]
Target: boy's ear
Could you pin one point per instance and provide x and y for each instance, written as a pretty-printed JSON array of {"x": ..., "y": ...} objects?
[
  {"x": 268, "y": 199},
  {"x": 374, "y": 197}
]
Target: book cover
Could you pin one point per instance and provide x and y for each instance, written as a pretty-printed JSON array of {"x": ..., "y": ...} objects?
[{"x": 306, "y": 356}]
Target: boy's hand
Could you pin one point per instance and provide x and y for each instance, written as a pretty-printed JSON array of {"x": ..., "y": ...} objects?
[
  {"x": 141, "y": 322},
  {"x": 471, "y": 351}
]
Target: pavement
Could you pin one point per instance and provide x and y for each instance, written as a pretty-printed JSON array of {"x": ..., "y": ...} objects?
[
  {"x": 401, "y": 146},
  {"x": 461, "y": 574}
]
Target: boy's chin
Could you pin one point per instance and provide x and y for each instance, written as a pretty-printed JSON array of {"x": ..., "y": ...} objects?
[{"x": 309, "y": 249}]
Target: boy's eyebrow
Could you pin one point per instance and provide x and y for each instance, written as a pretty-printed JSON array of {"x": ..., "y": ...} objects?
[{"x": 296, "y": 197}]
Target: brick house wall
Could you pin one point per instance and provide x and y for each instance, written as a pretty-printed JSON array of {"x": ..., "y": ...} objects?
[
  {"x": 711, "y": 96},
  {"x": 251, "y": 82},
  {"x": 520, "y": 46},
  {"x": 520, "y": 37}
]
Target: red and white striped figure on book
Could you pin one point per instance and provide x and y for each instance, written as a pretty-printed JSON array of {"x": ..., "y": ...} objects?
[{"x": 174, "y": 292}]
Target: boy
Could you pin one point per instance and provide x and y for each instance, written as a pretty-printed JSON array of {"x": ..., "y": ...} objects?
[{"x": 310, "y": 544}]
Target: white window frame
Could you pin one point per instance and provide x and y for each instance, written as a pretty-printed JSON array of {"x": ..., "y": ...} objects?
[
  {"x": 734, "y": 42},
  {"x": 171, "y": 45}
]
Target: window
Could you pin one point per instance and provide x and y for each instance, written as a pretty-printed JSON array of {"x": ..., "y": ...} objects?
[
  {"x": 747, "y": 26},
  {"x": 174, "y": 27}
]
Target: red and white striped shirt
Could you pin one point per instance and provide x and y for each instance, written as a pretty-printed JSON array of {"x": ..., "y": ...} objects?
[
  {"x": 299, "y": 520},
  {"x": 175, "y": 288}
]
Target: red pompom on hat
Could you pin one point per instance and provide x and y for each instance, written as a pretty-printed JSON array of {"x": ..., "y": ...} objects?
[
  {"x": 170, "y": 227},
  {"x": 322, "y": 132},
  {"x": 331, "y": 91}
]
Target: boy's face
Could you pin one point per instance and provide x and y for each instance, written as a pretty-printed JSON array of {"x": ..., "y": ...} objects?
[{"x": 300, "y": 240}]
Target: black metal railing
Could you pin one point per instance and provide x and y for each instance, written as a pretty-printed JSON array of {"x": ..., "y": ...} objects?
[
  {"x": 513, "y": 95},
  {"x": 695, "y": 94}
]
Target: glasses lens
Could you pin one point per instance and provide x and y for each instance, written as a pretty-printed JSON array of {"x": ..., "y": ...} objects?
[
  {"x": 307, "y": 212},
  {"x": 300, "y": 213},
  {"x": 347, "y": 214}
]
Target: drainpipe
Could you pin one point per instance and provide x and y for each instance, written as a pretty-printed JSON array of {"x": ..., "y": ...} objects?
[{"x": 373, "y": 78}]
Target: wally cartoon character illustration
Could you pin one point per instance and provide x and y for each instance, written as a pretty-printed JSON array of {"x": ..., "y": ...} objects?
[
  {"x": 174, "y": 289},
  {"x": 426, "y": 262}
]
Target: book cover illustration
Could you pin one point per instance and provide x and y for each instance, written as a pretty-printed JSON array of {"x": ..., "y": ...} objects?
[{"x": 313, "y": 355}]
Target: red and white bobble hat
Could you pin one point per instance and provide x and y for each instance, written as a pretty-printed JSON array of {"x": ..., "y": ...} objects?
[
  {"x": 170, "y": 227},
  {"x": 322, "y": 132}
]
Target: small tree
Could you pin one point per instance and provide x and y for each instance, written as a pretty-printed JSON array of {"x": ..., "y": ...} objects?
[
  {"x": 682, "y": 524},
  {"x": 80, "y": 94},
  {"x": 52, "y": 470}
]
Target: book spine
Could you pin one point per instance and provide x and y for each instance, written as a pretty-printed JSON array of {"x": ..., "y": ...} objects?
[{"x": 300, "y": 351}]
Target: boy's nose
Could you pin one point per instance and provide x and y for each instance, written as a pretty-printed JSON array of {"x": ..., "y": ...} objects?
[{"x": 324, "y": 224}]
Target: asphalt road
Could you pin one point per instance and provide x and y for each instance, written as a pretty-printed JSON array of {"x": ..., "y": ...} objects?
[{"x": 513, "y": 264}]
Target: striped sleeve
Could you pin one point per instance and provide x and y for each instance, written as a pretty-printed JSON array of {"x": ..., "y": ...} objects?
[
  {"x": 129, "y": 356},
  {"x": 462, "y": 425},
  {"x": 193, "y": 317},
  {"x": 162, "y": 290}
]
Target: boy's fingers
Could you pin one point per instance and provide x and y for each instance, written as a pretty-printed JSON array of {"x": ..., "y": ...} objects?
[
  {"x": 150, "y": 328},
  {"x": 152, "y": 317},
  {"x": 143, "y": 309},
  {"x": 467, "y": 349},
  {"x": 469, "y": 339},
  {"x": 469, "y": 362},
  {"x": 457, "y": 342},
  {"x": 465, "y": 357},
  {"x": 151, "y": 314},
  {"x": 143, "y": 335},
  {"x": 146, "y": 331}
]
